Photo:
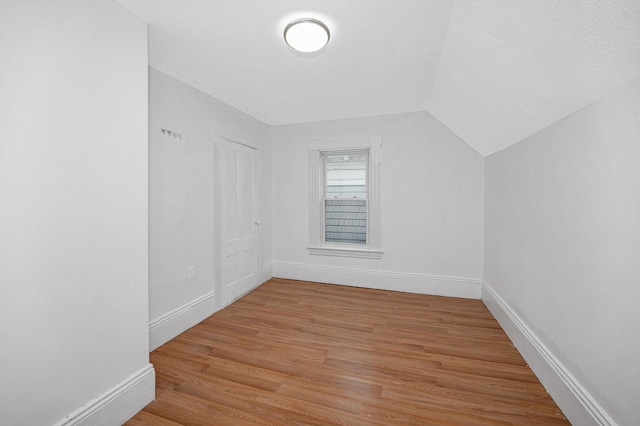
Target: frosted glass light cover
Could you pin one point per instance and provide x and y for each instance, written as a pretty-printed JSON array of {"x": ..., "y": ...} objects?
[{"x": 306, "y": 35}]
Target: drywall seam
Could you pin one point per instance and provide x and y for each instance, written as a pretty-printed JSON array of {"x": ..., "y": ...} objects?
[
  {"x": 574, "y": 400},
  {"x": 468, "y": 288}
]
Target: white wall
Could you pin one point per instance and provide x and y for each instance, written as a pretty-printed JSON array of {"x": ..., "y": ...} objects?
[
  {"x": 181, "y": 200},
  {"x": 73, "y": 213},
  {"x": 432, "y": 207},
  {"x": 562, "y": 248}
]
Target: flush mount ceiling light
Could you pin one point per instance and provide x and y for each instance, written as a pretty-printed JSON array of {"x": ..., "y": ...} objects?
[{"x": 306, "y": 35}]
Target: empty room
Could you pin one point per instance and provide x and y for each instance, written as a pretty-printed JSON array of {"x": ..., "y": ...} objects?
[{"x": 365, "y": 212}]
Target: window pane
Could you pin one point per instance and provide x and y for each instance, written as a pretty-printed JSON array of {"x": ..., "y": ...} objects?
[
  {"x": 346, "y": 175},
  {"x": 345, "y": 221}
]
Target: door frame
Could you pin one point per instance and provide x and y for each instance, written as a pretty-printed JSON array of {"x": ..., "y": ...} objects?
[{"x": 225, "y": 136}]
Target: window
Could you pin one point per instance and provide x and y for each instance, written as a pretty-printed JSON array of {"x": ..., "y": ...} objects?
[
  {"x": 344, "y": 207},
  {"x": 345, "y": 199}
]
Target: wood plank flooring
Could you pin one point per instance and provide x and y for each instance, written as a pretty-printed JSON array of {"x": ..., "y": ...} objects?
[{"x": 302, "y": 353}]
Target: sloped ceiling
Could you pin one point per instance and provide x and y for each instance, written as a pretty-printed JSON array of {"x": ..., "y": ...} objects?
[
  {"x": 493, "y": 71},
  {"x": 511, "y": 68}
]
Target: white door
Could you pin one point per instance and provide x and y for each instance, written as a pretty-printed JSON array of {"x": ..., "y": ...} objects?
[{"x": 238, "y": 219}]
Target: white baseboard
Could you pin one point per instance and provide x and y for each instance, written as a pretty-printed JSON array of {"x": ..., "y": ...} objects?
[
  {"x": 169, "y": 325},
  {"x": 119, "y": 403},
  {"x": 576, "y": 403},
  {"x": 398, "y": 281}
]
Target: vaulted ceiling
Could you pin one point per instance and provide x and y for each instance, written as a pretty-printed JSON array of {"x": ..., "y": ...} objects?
[{"x": 493, "y": 71}]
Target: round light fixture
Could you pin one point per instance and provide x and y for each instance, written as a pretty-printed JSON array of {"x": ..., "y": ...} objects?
[{"x": 306, "y": 35}]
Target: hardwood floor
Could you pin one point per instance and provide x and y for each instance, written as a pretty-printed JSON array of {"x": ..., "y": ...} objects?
[{"x": 301, "y": 353}]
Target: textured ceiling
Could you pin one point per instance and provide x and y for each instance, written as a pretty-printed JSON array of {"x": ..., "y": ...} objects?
[
  {"x": 381, "y": 58},
  {"x": 494, "y": 71},
  {"x": 511, "y": 68}
]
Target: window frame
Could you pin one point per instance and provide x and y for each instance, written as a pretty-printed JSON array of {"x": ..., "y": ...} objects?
[{"x": 317, "y": 195}]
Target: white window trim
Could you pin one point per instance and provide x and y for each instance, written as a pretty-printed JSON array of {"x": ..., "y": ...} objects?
[{"x": 317, "y": 245}]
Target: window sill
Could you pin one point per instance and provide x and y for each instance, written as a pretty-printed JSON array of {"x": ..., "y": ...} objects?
[{"x": 346, "y": 252}]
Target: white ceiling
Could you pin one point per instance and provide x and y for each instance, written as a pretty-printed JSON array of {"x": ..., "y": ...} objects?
[
  {"x": 511, "y": 68},
  {"x": 493, "y": 71}
]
